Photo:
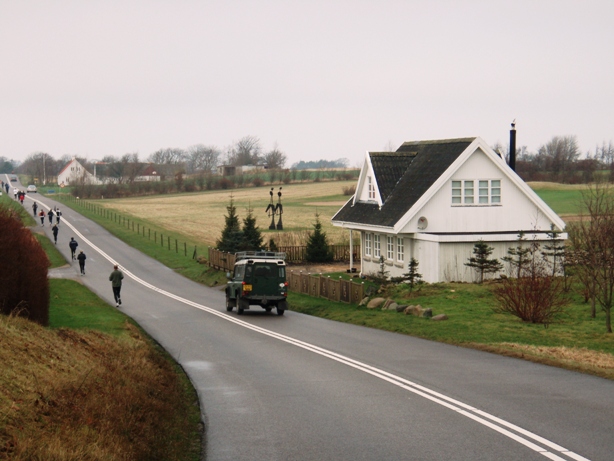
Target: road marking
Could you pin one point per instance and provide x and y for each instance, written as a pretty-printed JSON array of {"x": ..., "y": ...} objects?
[{"x": 497, "y": 424}]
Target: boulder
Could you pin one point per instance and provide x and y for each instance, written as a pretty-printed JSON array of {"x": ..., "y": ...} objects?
[
  {"x": 401, "y": 308},
  {"x": 375, "y": 303},
  {"x": 440, "y": 317},
  {"x": 427, "y": 313},
  {"x": 418, "y": 310},
  {"x": 364, "y": 301},
  {"x": 392, "y": 306}
]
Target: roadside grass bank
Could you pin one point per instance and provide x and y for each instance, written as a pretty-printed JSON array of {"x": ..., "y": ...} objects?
[
  {"x": 575, "y": 341},
  {"x": 92, "y": 385}
]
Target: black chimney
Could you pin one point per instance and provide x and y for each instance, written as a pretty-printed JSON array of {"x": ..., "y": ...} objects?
[{"x": 513, "y": 146}]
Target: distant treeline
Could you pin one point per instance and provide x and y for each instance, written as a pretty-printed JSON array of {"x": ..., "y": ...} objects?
[
  {"x": 202, "y": 182},
  {"x": 321, "y": 164}
]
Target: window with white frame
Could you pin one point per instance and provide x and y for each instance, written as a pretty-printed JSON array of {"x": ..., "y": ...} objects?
[
  {"x": 371, "y": 188},
  {"x": 390, "y": 247},
  {"x": 377, "y": 249},
  {"x": 488, "y": 192},
  {"x": 400, "y": 249},
  {"x": 368, "y": 244}
]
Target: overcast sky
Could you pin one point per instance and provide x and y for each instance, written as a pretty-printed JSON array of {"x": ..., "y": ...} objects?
[{"x": 321, "y": 79}]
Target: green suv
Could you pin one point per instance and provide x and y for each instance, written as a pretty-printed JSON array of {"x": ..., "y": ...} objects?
[{"x": 259, "y": 278}]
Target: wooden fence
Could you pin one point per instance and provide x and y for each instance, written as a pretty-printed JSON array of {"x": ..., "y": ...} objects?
[
  {"x": 323, "y": 286},
  {"x": 294, "y": 254}
]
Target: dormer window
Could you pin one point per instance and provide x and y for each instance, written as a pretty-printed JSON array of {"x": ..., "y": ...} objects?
[{"x": 371, "y": 188}]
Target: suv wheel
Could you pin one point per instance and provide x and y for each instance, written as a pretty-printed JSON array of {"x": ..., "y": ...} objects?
[
  {"x": 242, "y": 304},
  {"x": 230, "y": 304}
]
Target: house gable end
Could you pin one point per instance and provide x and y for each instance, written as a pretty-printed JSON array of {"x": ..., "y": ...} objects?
[{"x": 408, "y": 223}]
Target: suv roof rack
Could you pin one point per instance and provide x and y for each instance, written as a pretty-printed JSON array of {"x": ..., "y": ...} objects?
[{"x": 260, "y": 255}]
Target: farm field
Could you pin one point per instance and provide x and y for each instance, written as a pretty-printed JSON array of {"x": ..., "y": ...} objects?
[
  {"x": 200, "y": 216},
  {"x": 564, "y": 199}
]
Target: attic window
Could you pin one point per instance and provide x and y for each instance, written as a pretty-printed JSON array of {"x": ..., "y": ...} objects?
[
  {"x": 371, "y": 188},
  {"x": 476, "y": 192}
]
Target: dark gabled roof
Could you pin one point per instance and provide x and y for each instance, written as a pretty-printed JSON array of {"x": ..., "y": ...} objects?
[
  {"x": 402, "y": 178},
  {"x": 389, "y": 168}
]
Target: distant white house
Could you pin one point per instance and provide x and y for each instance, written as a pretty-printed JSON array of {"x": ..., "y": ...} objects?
[
  {"x": 433, "y": 200},
  {"x": 75, "y": 173}
]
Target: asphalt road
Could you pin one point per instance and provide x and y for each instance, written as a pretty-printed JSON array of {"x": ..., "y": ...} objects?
[{"x": 296, "y": 387}]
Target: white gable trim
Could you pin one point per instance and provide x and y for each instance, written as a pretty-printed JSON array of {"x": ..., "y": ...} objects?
[
  {"x": 367, "y": 170},
  {"x": 444, "y": 179}
]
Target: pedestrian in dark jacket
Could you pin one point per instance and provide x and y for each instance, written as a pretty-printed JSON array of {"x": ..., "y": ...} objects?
[
  {"x": 34, "y": 208},
  {"x": 81, "y": 259},
  {"x": 73, "y": 247},
  {"x": 116, "y": 278},
  {"x": 55, "y": 230},
  {"x": 50, "y": 216},
  {"x": 58, "y": 215}
]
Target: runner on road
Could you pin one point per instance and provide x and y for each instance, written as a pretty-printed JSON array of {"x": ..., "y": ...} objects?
[{"x": 116, "y": 278}]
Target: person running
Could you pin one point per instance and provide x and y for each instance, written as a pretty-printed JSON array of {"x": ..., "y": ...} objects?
[
  {"x": 58, "y": 214},
  {"x": 82, "y": 259},
  {"x": 73, "y": 247},
  {"x": 42, "y": 216},
  {"x": 50, "y": 216},
  {"x": 116, "y": 278},
  {"x": 34, "y": 208},
  {"x": 55, "y": 230}
]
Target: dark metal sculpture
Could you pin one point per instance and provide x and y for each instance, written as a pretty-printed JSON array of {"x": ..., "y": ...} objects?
[{"x": 275, "y": 209}]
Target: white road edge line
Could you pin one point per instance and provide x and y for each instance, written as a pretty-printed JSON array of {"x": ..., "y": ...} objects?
[{"x": 403, "y": 383}]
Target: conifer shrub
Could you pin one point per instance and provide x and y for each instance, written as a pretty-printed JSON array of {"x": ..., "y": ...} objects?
[{"x": 318, "y": 249}]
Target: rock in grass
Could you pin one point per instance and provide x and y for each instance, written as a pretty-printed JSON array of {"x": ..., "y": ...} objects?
[
  {"x": 440, "y": 317},
  {"x": 375, "y": 303}
]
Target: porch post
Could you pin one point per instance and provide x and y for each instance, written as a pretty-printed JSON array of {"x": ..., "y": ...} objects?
[{"x": 351, "y": 252}]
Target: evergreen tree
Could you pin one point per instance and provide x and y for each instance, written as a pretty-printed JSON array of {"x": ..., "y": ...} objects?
[
  {"x": 232, "y": 236},
  {"x": 317, "y": 245},
  {"x": 518, "y": 257},
  {"x": 252, "y": 237},
  {"x": 555, "y": 250},
  {"x": 480, "y": 261},
  {"x": 413, "y": 277}
]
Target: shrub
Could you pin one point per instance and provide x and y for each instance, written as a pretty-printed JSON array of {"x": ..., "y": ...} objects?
[
  {"x": 349, "y": 190},
  {"x": 24, "y": 287},
  {"x": 536, "y": 295}
]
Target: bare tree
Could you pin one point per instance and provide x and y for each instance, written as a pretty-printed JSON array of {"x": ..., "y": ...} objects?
[
  {"x": 275, "y": 158},
  {"x": 559, "y": 154},
  {"x": 202, "y": 158},
  {"x": 131, "y": 166},
  {"x": 41, "y": 166},
  {"x": 592, "y": 241},
  {"x": 168, "y": 156},
  {"x": 246, "y": 151}
]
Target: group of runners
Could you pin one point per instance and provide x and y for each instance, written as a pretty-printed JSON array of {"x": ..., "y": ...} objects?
[{"x": 116, "y": 276}]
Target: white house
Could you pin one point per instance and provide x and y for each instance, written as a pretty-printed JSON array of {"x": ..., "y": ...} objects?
[
  {"x": 75, "y": 173},
  {"x": 433, "y": 200}
]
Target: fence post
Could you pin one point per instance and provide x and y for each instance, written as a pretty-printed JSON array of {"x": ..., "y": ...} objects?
[{"x": 169, "y": 243}]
